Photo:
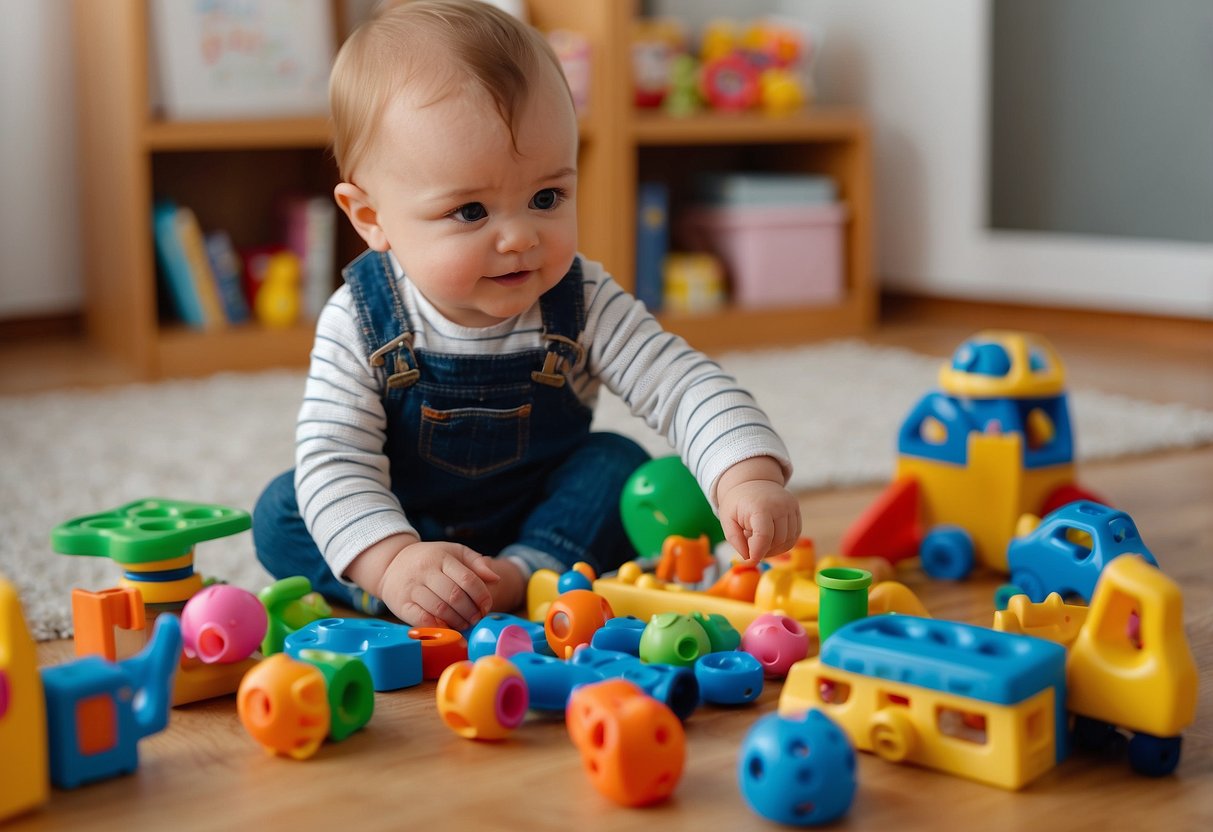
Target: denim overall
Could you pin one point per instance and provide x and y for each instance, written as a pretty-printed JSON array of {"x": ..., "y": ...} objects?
[{"x": 486, "y": 450}]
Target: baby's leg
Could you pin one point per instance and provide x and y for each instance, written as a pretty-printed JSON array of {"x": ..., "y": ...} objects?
[
  {"x": 286, "y": 548},
  {"x": 577, "y": 518}
]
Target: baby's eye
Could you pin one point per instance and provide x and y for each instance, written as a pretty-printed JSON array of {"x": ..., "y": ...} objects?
[
  {"x": 547, "y": 199},
  {"x": 472, "y": 212}
]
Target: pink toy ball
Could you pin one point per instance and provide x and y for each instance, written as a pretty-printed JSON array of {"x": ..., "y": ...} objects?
[
  {"x": 777, "y": 641},
  {"x": 223, "y": 624}
]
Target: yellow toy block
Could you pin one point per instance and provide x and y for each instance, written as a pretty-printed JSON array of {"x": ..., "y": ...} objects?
[
  {"x": 1051, "y": 619},
  {"x": 24, "y": 768},
  {"x": 1131, "y": 664},
  {"x": 1025, "y": 378}
]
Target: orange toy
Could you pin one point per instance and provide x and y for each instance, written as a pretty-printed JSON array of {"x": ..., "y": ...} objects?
[
  {"x": 684, "y": 558},
  {"x": 482, "y": 700},
  {"x": 633, "y": 746},
  {"x": 95, "y": 616},
  {"x": 440, "y": 648},
  {"x": 283, "y": 704},
  {"x": 739, "y": 583},
  {"x": 572, "y": 620}
]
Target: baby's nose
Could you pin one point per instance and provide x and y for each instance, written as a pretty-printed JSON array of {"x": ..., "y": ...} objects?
[{"x": 516, "y": 235}]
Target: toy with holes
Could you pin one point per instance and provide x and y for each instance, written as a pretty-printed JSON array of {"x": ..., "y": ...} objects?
[
  {"x": 482, "y": 700},
  {"x": 23, "y": 765},
  {"x": 662, "y": 498},
  {"x": 995, "y": 442},
  {"x": 955, "y": 697},
  {"x": 153, "y": 541},
  {"x": 798, "y": 770},
  {"x": 1130, "y": 666},
  {"x": 1068, "y": 550}
]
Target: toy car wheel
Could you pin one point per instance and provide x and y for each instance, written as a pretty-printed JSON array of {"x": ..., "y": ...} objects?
[
  {"x": 1154, "y": 756},
  {"x": 947, "y": 553},
  {"x": 1029, "y": 585},
  {"x": 1095, "y": 735}
]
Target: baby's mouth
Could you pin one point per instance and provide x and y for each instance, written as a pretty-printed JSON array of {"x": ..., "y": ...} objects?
[{"x": 511, "y": 277}]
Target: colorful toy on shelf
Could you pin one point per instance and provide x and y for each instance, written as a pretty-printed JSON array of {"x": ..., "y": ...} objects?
[
  {"x": 655, "y": 43},
  {"x": 391, "y": 655},
  {"x": 1131, "y": 667},
  {"x": 23, "y": 764},
  {"x": 693, "y": 282},
  {"x": 289, "y": 605},
  {"x": 278, "y": 301},
  {"x": 962, "y": 699},
  {"x": 482, "y": 700},
  {"x": 994, "y": 443},
  {"x": 1068, "y": 550},
  {"x": 761, "y": 64},
  {"x": 153, "y": 540},
  {"x": 222, "y": 624},
  {"x": 798, "y": 770},
  {"x": 284, "y": 706},
  {"x": 682, "y": 99},
  {"x": 662, "y": 498},
  {"x": 97, "y": 711},
  {"x": 633, "y": 747},
  {"x": 573, "y": 51}
]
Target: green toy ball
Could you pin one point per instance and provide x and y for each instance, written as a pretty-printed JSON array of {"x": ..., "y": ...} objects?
[{"x": 661, "y": 498}]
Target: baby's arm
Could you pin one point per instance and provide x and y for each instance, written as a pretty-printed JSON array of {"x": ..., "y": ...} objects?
[
  {"x": 427, "y": 584},
  {"x": 759, "y": 515}
]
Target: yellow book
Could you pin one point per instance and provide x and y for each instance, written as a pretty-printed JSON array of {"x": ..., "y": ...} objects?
[{"x": 194, "y": 247}]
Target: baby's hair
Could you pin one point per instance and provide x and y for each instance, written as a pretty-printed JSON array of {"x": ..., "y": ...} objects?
[{"x": 481, "y": 45}]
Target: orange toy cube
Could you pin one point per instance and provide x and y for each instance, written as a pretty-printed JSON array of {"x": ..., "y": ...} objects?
[
  {"x": 482, "y": 700},
  {"x": 633, "y": 746},
  {"x": 573, "y": 618}
]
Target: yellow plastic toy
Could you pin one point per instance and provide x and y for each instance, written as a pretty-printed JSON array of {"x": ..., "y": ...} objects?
[
  {"x": 24, "y": 767},
  {"x": 1131, "y": 666},
  {"x": 1051, "y": 619},
  {"x": 278, "y": 299}
]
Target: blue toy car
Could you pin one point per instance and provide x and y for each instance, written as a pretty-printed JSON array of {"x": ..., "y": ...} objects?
[{"x": 1068, "y": 551}]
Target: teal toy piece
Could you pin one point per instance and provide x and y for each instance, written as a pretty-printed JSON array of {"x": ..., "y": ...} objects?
[
  {"x": 147, "y": 531},
  {"x": 351, "y": 691},
  {"x": 391, "y": 655},
  {"x": 662, "y": 498},
  {"x": 843, "y": 598},
  {"x": 674, "y": 639},
  {"x": 289, "y": 605}
]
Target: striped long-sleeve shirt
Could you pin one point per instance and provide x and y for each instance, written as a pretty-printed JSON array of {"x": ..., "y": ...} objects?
[{"x": 342, "y": 478}]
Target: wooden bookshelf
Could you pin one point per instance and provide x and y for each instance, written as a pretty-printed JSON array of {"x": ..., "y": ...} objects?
[{"x": 230, "y": 172}]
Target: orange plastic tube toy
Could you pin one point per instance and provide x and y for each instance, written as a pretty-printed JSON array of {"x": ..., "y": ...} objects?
[
  {"x": 440, "y": 648},
  {"x": 482, "y": 700}
]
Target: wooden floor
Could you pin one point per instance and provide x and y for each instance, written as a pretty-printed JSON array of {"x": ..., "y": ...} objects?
[{"x": 406, "y": 771}]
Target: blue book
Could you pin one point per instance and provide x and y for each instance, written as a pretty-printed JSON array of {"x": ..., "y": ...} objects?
[
  {"x": 175, "y": 265},
  {"x": 652, "y": 241},
  {"x": 227, "y": 266}
]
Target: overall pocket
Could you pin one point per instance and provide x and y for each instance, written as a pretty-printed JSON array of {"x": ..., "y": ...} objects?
[{"x": 474, "y": 441}]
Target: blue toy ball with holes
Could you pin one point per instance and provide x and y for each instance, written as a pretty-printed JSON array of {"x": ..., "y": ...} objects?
[{"x": 797, "y": 770}]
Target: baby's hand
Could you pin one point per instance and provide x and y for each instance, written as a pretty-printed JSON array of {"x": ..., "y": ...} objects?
[
  {"x": 760, "y": 517},
  {"x": 509, "y": 592},
  {"x": 438, "y": 585}
]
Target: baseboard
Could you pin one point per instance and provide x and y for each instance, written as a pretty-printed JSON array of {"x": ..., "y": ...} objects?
[{"x": 39, "y": 327}]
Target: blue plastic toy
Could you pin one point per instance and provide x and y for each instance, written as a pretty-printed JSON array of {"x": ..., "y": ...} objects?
[
  {"x": 675, "y": 687},
  {"x": 621, "y": 635},
  {"x": 1068, "y": 551},
  {"x": 97, "y": 711},
  {"x": 482, "y": 638},
  {"x": 391, "y": 655},
  {"x": 729, "y": 678},
  {"x": 550, "y": 680},
  {"x": 797, "y": 770},
  {"x": 573, "y": 580}
]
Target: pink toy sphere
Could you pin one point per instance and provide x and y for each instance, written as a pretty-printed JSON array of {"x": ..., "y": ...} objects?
[
  {"x": 223, "y": 624},
  {"x": 777, "y": 641}
]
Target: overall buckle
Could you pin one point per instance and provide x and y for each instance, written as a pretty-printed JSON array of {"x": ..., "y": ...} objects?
[{"x": 402, "y": 345}]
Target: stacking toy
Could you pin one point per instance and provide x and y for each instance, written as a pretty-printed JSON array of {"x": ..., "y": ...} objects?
[
  {"x": 843, "y": 598},
  {"x": 729, "y": 678},
  {"x": 440, "y": 648},
  {"x": 351, "y": 693}
]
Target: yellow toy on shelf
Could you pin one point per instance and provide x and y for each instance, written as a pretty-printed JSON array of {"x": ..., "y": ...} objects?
[{"x": 24, "y": 768}]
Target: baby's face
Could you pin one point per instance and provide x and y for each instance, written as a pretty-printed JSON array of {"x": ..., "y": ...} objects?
[{"x": 482, "y": 230}]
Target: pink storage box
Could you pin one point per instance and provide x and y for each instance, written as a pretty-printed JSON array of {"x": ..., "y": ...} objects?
[{"x": 776, "y": 255}]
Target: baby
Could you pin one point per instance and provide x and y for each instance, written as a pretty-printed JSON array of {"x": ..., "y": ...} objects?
[{"x": 443, "y": 448}]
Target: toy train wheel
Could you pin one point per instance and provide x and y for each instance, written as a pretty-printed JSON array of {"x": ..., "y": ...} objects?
[
  {"x": 947, "y": 553},
  {"x": 892, "y": 735},
  {"x": 1154, "y": 756}
]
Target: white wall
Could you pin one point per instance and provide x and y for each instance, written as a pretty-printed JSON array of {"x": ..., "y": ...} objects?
[{"x": 39, "y": 228}]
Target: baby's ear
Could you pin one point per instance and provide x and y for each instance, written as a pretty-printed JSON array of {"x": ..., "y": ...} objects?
[{"x": 357, "y": 206}]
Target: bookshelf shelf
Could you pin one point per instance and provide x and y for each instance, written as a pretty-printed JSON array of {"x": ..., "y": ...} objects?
[{"x": 231, "y": 171}]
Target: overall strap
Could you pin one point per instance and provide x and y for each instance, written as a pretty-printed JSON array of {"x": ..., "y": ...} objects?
[
  {"x": 563, "y": 310},
  {"x": 387, "y": 332}
]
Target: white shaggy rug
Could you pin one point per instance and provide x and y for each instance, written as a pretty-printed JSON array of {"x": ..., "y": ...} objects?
[{"x": 220, "y": 440}]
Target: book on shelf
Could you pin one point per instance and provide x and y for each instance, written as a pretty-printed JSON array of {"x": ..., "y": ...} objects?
[
  {"x": 187, "y": 271},
  {"x": 652, "y": 241},
  {"x": 228, "y": 269},
  {"x": 310, "y": 231}
]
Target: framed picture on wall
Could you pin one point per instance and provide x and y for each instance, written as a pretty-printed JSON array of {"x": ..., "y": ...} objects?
[{"x": 218, "y": 59}]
